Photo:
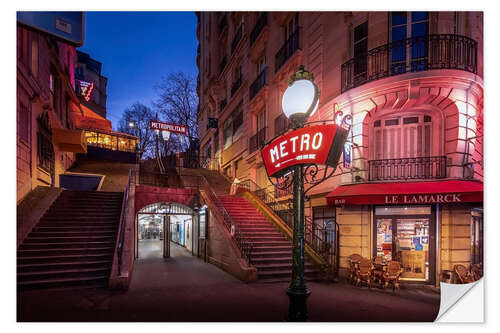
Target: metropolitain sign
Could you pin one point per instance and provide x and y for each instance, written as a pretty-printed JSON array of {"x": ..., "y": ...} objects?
[
  {"x": 162, "y": 126},
  {"x": 316, "y": 144}
]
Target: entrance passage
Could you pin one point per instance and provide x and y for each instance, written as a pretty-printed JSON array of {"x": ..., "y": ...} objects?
[{"x": 158, "y": 225}]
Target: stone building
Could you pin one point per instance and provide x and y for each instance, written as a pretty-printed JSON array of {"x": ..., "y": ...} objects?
[
  {"x": 46, "y": 106},
  {"x": 90, "y": 83},
  {"x": 412, "y": 81}
]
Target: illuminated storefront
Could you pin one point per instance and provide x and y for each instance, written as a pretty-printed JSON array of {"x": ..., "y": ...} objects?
[{"x": 111, "y": 140}]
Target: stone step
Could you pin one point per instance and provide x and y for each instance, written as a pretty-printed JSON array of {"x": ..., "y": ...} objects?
[
  {"x": 64, "y": 251},
  {"x": 96, "y": 281},
  {"x": 64, "y": 258},
  {"x": 62, "y": 274},
  {"x": 64, "y": 264},
  {"x": 46, "y": 239},
  {"x": 41, "y": 245},
  {"x": 39, "y": 234}
]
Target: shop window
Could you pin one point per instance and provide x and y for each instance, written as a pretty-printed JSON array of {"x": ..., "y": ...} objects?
[
  {"x": 477, "y": 237},
  {"x": 405, "y": 234}
]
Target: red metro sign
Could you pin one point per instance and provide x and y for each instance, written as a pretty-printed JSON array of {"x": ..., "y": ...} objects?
[
  {"x": 162, "y": 126},
  {"x": 317, "y": 144}
]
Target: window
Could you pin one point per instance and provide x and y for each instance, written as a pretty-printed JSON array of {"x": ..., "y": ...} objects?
[
  {"x": 260, "y": 65},
  {"x": 23, "y": 46},
  {"x": 34, "y": 57},
  {"x": 24, "y": 123},
  {"x": 409, "y": 25},
  {"x": 404, "y": 137},
  {"x": 232, "y": 126},
  {"x": 281, "y": 124},
  {"x": 216, "y": 142},
  {"x": 360, "y": 49},
  {"x": 290, "y": 26},
  {"x": 228, "y": 133},
  {"x": 45, "y": 150},
  {"x": 260, "y": 120},
  {"x": 477, "y": 237}
]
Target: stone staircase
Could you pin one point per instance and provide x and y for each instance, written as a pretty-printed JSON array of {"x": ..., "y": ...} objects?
[
  {"x": 271, "y": 251},
  {"x": 73, "y": 244}
]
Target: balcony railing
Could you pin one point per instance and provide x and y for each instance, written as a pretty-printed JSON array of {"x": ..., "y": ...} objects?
[
  {"x": 222, "y": 23},
  {"x": 257, "y": 140},
  {"x": 259, "y": 82},
  {"x": 236, "y": 85},
  {"x": 411, "y": 55},
  {"x": 261, "y": 23},
  {"x": 287, "y": 50},
  {"x": 432, "y": 167},
  {"x": 237, "y": 38},
  {"x": 222, "y": 64}
]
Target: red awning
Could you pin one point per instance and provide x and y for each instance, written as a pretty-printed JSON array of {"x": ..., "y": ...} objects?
[{"x": 447, "y": 191}]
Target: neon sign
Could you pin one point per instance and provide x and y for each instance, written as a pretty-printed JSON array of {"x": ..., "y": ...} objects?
[
  {"x": 162, "y": 126},
  {"x": 86, "y": 89},
  {"x": 318, "y": 144}
]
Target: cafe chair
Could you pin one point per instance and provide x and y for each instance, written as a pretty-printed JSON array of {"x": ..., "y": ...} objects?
[
  {"x": 463, "y": 274},
  {"x": 392, "y": 274},
  {"x": 353, "y": 266},
  {"x": 477, "y": 271},
  {"x": 364, "y": 272},
  {"x": 378, "y": 269}
]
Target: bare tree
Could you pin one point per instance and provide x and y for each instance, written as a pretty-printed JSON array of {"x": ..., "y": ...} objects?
[
  {"x": 135, "y": 121},
  {"x": 177, "y": 102}
]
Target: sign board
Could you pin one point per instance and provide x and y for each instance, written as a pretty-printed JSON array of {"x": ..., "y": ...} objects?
[
  {"x": 347, "y": 155},
  {"x": 317, "y": 144},
  {"x": 162, "y": 126},
  {"x": 86, "y": 89},
  {"x": 69, "y": 26}
]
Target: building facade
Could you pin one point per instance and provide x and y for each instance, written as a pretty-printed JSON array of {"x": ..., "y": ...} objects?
[
  {"x": 46, "y": 106},
  {"x": 91, "y": 85},
  {"x": 409, "y": 184}
]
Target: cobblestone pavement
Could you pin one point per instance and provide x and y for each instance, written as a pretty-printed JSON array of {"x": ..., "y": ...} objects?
[{"x": 186, "y": 289}]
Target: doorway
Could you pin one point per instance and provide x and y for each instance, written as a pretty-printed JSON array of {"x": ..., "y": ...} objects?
[
  {"x": 407, "y": 234},
  {"x": 159, "y": 225}
]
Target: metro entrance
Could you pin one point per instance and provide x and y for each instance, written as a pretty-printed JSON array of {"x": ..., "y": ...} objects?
[{"x": 159, "y": 224}]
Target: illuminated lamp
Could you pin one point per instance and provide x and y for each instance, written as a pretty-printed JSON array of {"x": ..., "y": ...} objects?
[
  {"x": 166, "y": 135},
  {"x": 301, "y": 98}
]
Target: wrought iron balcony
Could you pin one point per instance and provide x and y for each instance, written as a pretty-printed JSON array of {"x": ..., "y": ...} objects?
[
  {"x": 287, "y": 50},
  {"x": 237, "y": 38},
  {"x": 222, "y": 64},
  {"x": 431, "y": 167},
  {"x": 257, "y": 140},
  {"x": 259, "y": 82},
  {"x": 410, "y": 55},
  {"x": 236, "y": 85},
  {"x": 261, "y": 23}
]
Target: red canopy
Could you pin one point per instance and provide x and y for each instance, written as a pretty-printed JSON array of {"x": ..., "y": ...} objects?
[{"x": 447, "y": 191}]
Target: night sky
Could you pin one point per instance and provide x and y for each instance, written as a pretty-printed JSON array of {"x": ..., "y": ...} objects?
[{"x": 136, "y": 49}]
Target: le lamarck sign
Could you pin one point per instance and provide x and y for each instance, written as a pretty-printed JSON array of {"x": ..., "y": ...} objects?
[
  {"x": 162, "y": 126},
  {"x": 317, "y": 144}
]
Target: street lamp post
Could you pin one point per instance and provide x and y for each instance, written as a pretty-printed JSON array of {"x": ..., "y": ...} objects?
[{"x": 300, "y": 101}]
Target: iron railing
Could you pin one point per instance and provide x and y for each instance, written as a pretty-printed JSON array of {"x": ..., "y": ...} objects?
[
  {"x": 123, "y": 218},
  {"x": 414, "y": 54},
  {"x": 236, "y": 85},
  {"x": 222, "y": 23},
  {"x": 223, "y": 104},
  {"x": 432, "y": 167},
  {"x": 222, "y": 64},
  {"x": 259, "y": 82},
  {"x": 237, "y": 38},
  {"x": 257, "y": 140},
  {"x": 279, "y": 193},
  {"x": 261, "y": 23},
  {"x": 237, "y": 236},
  {"x": 287, "y": 50},
  {"x": 319, "y": 238}
]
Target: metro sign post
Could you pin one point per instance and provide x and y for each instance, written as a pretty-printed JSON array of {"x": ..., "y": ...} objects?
[
  {"x": 294, "y": 159},
  {"x": 163, "y": 126}
]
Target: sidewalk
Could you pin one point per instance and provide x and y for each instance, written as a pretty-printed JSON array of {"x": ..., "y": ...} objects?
[{"x": 185, "y": 289}]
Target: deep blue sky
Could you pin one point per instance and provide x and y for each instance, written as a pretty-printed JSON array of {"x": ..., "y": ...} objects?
[{"x": 138, "y": 48}]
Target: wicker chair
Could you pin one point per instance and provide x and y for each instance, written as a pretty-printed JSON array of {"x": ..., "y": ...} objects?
[
  {"x": 463, "y": 274},
  {"x": 477, "y": 271},
  {"x": 378, "y": 269},
  {"x": 364, "y": 272},
  {"x": 353, "y": 262},
  {"x": 392, "y": 274}
]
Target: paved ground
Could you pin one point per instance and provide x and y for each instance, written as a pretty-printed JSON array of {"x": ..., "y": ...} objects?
[
  {"x": 185, "y": 289},
  {"x": 150, "y": 248}
]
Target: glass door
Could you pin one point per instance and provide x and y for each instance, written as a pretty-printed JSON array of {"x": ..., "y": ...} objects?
[{"x": 405, "y": 234}]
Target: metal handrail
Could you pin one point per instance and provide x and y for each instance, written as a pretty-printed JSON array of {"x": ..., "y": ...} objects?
[
  {"x": 316, "y": 237},
  {"x": 239, "y": 240},
  {"x": 287, "y": 50},
  {"x": 123, "y": 217}
]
